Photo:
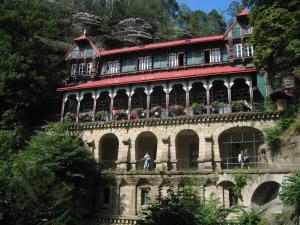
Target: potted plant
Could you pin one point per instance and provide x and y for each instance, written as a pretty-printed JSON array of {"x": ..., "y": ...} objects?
[
  {"x": 176, "y": 110},
  {"x": 70, "y": 117},
  {"x": 216, "y": 105},
  {"x": 197, "y": 108},
  {"x": 101, "y": 115},
  {"x": 238, "y": 106}
]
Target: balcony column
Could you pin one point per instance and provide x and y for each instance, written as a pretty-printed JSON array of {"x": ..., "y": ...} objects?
[
  {"x": 208, "y": 86},
  {"x": 65, "y": 99},
  {"x": 167, "y": 91},
  {"x": 130, "y": 93},
  {"x": 79, "y": 97},
  {"x": 112, "y": 95},
  {"x": 187, "y": 87},
  {"x": 148, "y": 93},
  {"x": 249, "y": 82},
  {"x": 229, "y": 84},
  {"x": 95, "y": 97}
]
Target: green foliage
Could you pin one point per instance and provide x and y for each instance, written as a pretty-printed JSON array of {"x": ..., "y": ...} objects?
[
  {"x": 183, "y": 207},
  {"x": 251, "y": 218},
  {"x": 273, "y": 134},
  {"x": 276, "y": 36},
  {"x": 52, "y": 182},
  {"x": 197, "y": 106},
  {"x": 240, "y": 179}
]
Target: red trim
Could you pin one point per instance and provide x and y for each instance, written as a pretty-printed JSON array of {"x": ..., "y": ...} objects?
[
  {"x": 245, "y": 12},
  {"x": 230, "y": 28},
  {"x": 162, "y": 45},
  {"x": 174, "y": 75}
]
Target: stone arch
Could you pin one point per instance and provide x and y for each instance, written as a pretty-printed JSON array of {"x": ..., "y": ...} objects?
[
  {"x": 187, "y": 149},
  {"x": 71, "y": 103},
  {"x": 226, "y": 182},
  {"x": 108, "y": 151},
  {"x": 235, "y": 139},
  {"x": 145, "y": 142},
  {"x": 265, "y": 180}
]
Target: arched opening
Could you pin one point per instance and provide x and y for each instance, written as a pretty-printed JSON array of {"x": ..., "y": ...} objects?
[
  {"x": 157, "y": 102},
  {"x": 86, "y": 108},
  {"x": 120, "y": 111},
  {"x": 236, "y": 139},
  {"x": 240, "y": 96},
  {"x": 71, "y": 107},
  {"x": 187, "y": 150},
  {"x": 219, "y": 97},
  {"x": 103, "y": 106},
  {"x": 108, "y": 151},
  {"x": 266, "y": 194},
  {"x": 198, "y": 101},
  {"x": 146, "y": 142},
  {"x": 228, "y": 197},
  {"x": 177, "y": 100},
  {"x": 138, "y": 104}
]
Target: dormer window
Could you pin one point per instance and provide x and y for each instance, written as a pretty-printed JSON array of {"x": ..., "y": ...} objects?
[
  {"x": 144, "y": 63},
  {"x": 82, "y": 53},
  {"x": 89, "y": 68},
  {"x": 248, "y": 50},
  {"x": 81, "y": 68},
  {"x": 248, "y": 30},
  {"x": 238, "y": 50},
  {"x": 215, "y": 55},
  {"x": 113, "y": 67},
  {"x": 74, "y": 70}
]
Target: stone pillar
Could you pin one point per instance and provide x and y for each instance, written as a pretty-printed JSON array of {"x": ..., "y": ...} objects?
[
  {"x": 65, "y": 99},
  {"x": 249, "y": 82},
  {"x": 95, "y": 97},
  {"x": 205, "y": 153},
  {"x": 208, "y": 86},
  {"x": 216, "y": 153},
  {"x": 123, "y": 154},
  {"x": 162, "y": 154},
  {"x": 79, "y": 98},
  {"x": 112, "y": 95},
  {"x": 132, "y": 155},
  {"x": 130, "y": 93},
  {"x": 173, "y": 153},
  {"x": 148, "y": 93}
]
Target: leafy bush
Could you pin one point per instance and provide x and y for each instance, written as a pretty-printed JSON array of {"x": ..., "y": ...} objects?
[
  {"x": 240, "y": 181},
  {"x": 69, "y": 117},
  {"x": 251, "y": 218}
]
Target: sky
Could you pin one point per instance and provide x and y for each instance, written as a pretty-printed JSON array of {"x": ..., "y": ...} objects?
[{"x": 207, "y": 5}]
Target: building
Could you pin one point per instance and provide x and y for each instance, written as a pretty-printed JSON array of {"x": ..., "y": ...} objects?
[{"x": 191, "y": 104}]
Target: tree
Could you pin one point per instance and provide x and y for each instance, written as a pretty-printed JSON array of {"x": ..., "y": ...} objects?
[
  {"x": 183, "y": 207},
  {"x": 276, "y": 36},
  {"x": 233, "y": 9},
  {"x": 52, "y": 182},
  {"x": 290, "y": 194}
]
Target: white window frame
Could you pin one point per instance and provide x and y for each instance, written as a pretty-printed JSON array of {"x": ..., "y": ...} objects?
[
  {"x": 74, "y": 70},
  {"x": 215, "y": 55},
  {"x": 173, "y": 60},
  {"x": 147, "y": 63},
  {"x": 89, "y": 68},
  {"x": 140, "y": 63},
  {"x": 113, "y": 67},
  {"x": 248, "y": 50},
  {"x": 238, "y": 50},
  {"x": 81, "y": 68},
  {"x": 248, "y": 30}
]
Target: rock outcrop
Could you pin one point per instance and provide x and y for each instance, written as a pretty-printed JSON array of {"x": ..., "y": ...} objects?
[{"x": 84, "y": 21}]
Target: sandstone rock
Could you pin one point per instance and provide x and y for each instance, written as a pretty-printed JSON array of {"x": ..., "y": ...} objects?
[
  {"x": 84, "y": 21},
  {"x": 132, "y": 32}
]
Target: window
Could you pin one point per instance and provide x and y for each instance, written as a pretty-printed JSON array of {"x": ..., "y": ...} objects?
[
  {"x": 207, "y": 56},
  {"x": 106, "y": 196},
  {"x": 144, "y": 63},
  {"x": 238, "y": 50},
  {"x": 113, "y": 67},
  {"x": 82, "y": 53},
  {"x": 89, "y": 68},
  {"x": 145, "y": 198},
  {"x": 81, "y": 68},
  {"x": 180, "y": 59},
  {"x": 248, "y": 30},
  {"x": 74, "y": 70},
  {"x": 173, "y": 60},
  {"x": 248, "y": 50},
  {"x": 215, "y": 55}
]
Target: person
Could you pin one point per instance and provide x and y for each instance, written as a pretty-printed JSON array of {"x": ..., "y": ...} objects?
[
  {"x": 147, "y": 159},
  {"x": 246, "y": 158},
  {"x": 241, "y": 158}
]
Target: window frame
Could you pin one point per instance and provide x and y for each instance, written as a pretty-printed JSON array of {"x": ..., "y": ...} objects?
[
  {"x": 248, "y": 50},
  {"x": 238, "y": 50},
  {"x": 74, "y": 69},
  {"x": 81, "y": 70},
  {"x": 215, "y": 58},
  {"x": 145, "y": 196},
  {"x": 173, "y": 60},
  {"x": 89, "y": 68}
]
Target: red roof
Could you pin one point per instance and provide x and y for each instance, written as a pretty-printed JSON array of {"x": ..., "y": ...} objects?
[
  {"x": 245, "y": 12},
  {"x": 151, "y": 77},
  {"x": 162, "y": 45}
]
